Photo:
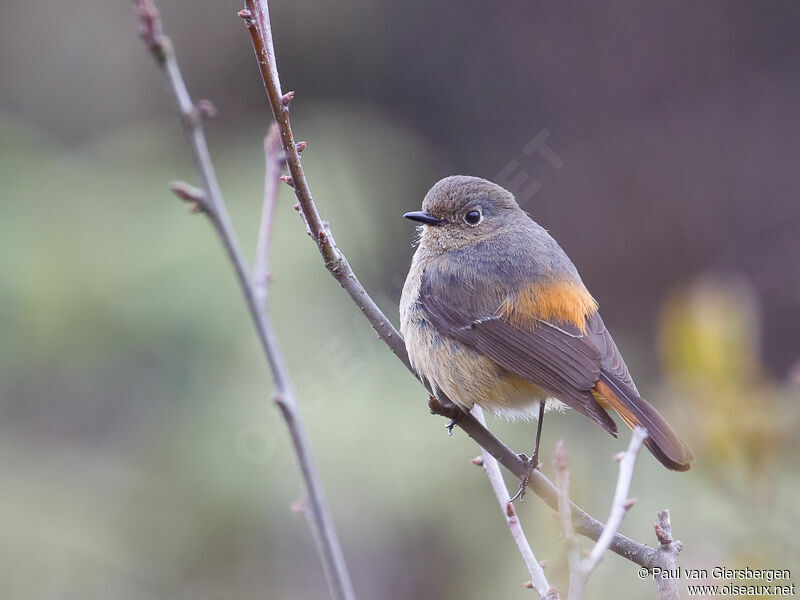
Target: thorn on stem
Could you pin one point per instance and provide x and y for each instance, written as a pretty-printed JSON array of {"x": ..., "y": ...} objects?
[
  {"x": 629, "y": 503},
  {"x": 543, "y": 563},
  {"x": 286, "y": 99},
  {"x": 619, "y": 456},
  {"x": 477, "y": 461},
  {"x": 287, "y": 179},
  {"x": 301, "y": 146},
  {"x": 528, "y": 585}
]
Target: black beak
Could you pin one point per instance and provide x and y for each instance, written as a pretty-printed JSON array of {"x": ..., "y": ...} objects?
[{"x": 423, "y": 216}]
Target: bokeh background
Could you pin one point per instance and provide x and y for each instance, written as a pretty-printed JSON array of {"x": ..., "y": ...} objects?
[{"x": 140, "y": 456}]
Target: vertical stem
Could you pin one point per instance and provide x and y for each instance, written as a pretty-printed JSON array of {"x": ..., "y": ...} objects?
[{"x": 213, "y": 204}]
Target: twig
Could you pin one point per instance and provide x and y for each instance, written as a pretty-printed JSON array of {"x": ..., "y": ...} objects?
[
  {"x": 211, "y": 202},
  {"x": 256, "y": 17},
  {"x": 565, "y": 506},
  {"x": 582, "y": 522},
  {"x": 669, "y": 549},
  {"x": 489, "y": 464},
  {"x": 579, "y": 573},
  {"x": 273, "y": 159}
]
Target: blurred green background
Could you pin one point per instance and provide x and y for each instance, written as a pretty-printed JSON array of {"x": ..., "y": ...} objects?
[{"x": 139, "y": 453}]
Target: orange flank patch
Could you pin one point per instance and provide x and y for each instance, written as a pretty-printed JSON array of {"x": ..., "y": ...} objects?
[{"x": 565, "y": 301}]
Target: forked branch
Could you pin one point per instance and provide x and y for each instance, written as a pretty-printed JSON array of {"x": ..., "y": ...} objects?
[
  {"x": 581, "y": 569},
  {"x": 209, "y": 200}
]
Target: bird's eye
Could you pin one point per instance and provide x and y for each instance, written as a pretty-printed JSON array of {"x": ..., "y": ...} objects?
[{"x": 473, "y": 217}]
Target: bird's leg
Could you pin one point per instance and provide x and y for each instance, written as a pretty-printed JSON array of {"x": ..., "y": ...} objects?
[
  {"x": 533, "y": 461},
  {"x": 535, "y": 457},
  {"x": 450, "y": 425}
]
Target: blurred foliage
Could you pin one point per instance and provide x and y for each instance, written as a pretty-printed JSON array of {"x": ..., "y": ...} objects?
[{"x": 709, "y": 339}]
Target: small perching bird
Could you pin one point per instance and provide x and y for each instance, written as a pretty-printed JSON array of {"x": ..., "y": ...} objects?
[{"x": 494, "y": 313}]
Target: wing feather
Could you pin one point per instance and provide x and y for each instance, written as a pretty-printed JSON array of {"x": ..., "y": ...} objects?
[{"x": 557, "y": 357}]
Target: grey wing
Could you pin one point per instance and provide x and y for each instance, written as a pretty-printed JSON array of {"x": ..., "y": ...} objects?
[
  {"x": 556, "y": 357},
  {"x": 611, "y": 360}
]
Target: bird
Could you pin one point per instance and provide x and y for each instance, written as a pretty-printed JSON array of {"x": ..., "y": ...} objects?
[{"x": 494, "y": 313}]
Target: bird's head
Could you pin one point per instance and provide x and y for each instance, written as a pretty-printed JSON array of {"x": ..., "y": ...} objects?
[{"x": 461, "y": 210}]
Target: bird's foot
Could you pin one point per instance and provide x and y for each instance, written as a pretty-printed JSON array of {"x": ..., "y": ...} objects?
[
  {"x": 450, "y": 425},
  {"x": 531, "y": 464}
]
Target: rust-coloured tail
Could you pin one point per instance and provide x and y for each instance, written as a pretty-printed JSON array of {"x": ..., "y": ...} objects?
[{"x": 662, "y": 441}]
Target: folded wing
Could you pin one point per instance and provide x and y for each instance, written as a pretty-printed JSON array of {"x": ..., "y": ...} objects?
[{"x": 578, "y": 363}]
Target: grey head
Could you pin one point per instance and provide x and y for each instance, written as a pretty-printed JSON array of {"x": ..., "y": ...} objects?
[{"x": 461, "y": 210}]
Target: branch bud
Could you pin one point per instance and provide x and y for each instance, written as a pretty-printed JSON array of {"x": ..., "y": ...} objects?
[
  {"x": 510, "y": 510},
  {"x": 205, "y": 109},
  {"x": 663, "y": 536},
  {"x": 247, "y": 17},
  {"x": 287, "y": 98},
  {"x": 299, "y": 507},
  {"x": 188, "y": 193}
]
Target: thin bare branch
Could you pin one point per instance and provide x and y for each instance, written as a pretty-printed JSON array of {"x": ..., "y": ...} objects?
[
  {"x": 583, "y": 523},
  {"x": 489, "y": 464},
  {"x": 212, "y": 204},
  {"x": 565, "y": 506},
  {"x": 273, "y": 159},
  {"x": 579, "y": 573},
  {"x": 256, "y": 17},
  {"x": 621, "y": 503}
]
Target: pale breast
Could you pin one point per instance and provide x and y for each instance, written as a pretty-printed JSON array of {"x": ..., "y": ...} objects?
[{"x": 466, "y": 376}]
